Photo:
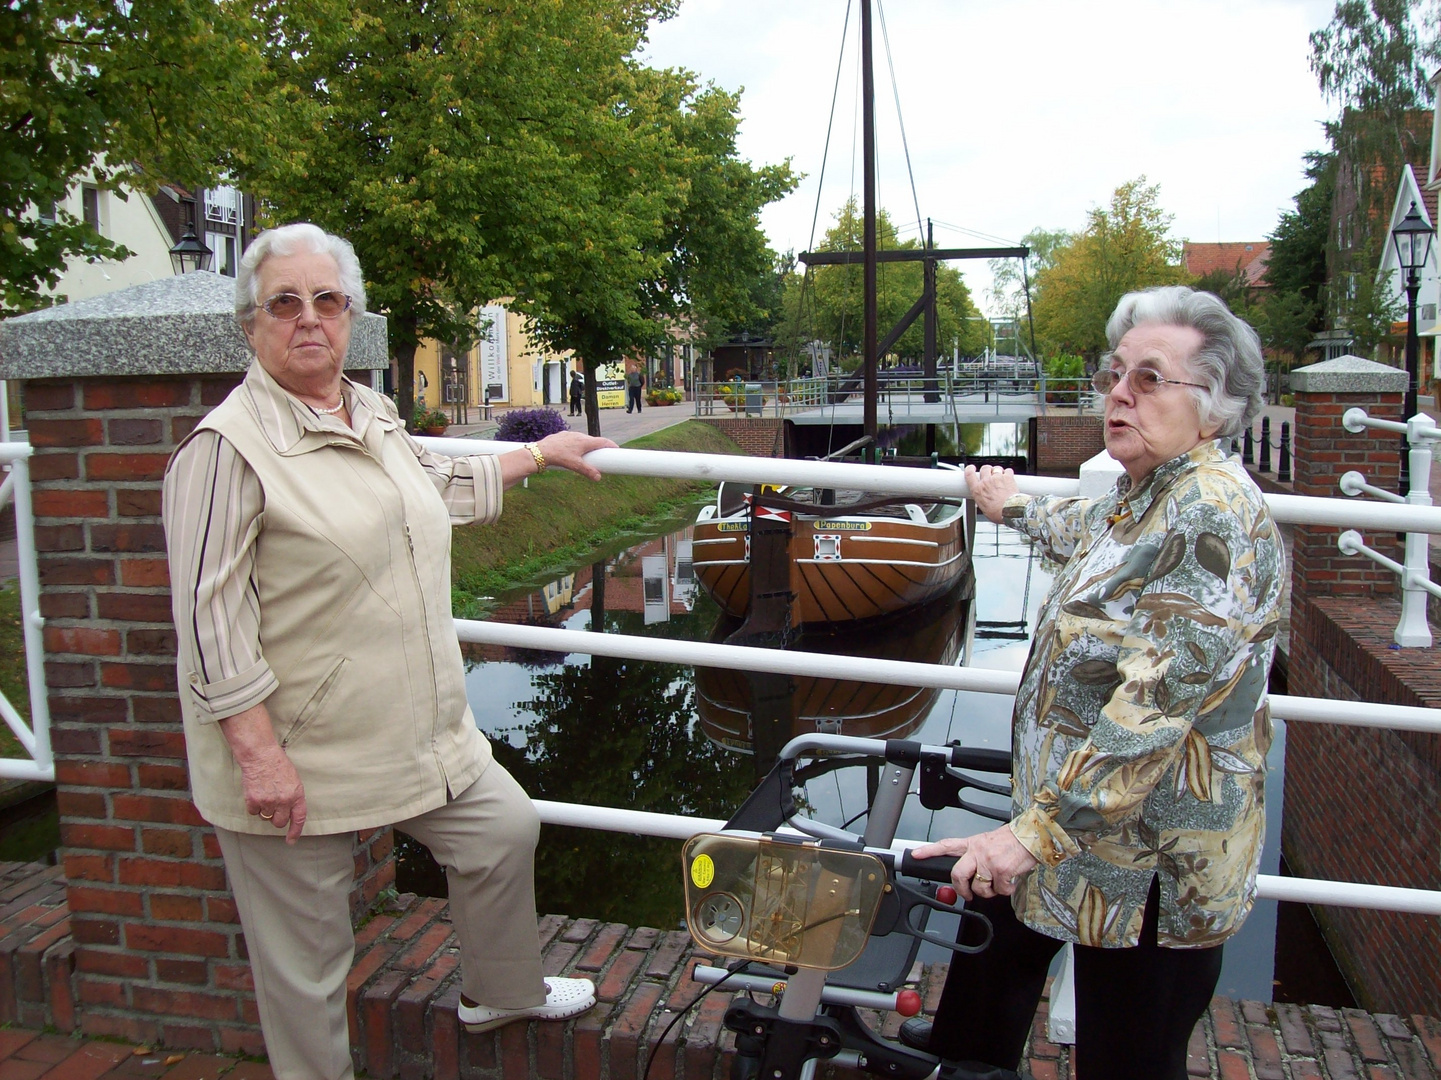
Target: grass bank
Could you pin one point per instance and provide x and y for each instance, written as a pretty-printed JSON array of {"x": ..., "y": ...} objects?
[{"x": 560, "y": 517}]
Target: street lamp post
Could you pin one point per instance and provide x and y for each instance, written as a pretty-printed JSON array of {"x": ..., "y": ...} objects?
[{"x": 1413, "y": 246}]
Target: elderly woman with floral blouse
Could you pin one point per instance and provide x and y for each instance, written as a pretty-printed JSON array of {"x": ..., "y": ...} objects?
[{"x": 1140, "y": 729}]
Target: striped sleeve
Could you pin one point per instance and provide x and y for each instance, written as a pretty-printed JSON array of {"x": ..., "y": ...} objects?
[
  {"x": 470, "y": 487},
  {"x": 212, "y": 510}
]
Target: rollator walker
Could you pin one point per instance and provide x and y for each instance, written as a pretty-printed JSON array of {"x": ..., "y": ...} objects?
[{"x": 827, "y": 922}]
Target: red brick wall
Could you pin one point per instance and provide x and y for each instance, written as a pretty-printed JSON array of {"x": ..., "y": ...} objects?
[
  {"x": 1324, "y": 450},
  {"x": 757, "y": 437},
  {"x": 1061, "y": 444},
  {"x": 158, "y": 950},
  {"x": 1360, "y": 804}
]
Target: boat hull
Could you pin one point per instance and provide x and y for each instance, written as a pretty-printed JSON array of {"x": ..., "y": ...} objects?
[{"x": 842, "y": 568}]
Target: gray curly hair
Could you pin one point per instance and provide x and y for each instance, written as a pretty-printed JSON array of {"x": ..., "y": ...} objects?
[
  {"x": 1228, "y": 363},
  {"x": 300, "y": 238}
]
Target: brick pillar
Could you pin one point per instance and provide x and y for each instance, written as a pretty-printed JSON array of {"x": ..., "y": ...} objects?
[
  {"x": 111, "y": 385},
  {"x": 1324, "y": 451},
  {"x": 1354, "y": 795}
]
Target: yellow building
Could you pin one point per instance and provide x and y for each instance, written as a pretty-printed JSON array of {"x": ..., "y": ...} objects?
[{"x": 507, "y": 366}]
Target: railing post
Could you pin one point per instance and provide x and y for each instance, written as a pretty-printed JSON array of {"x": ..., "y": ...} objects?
[
  {"x": 1413, "y": 631},
  {"x": 1283, "y": 463},
  {"x": 1265, "y": 465},
  {"x": 1248, "y": 457}
]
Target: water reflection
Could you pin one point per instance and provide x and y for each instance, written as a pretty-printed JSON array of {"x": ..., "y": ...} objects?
[{"x": 757, "y": 713}]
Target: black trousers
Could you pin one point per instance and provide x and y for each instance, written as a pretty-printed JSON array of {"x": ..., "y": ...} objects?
[{"x": 1135, "y": 1008}]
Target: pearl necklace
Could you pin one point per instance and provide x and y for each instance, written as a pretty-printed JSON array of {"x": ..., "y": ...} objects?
[{"x": 332, "y": 411}]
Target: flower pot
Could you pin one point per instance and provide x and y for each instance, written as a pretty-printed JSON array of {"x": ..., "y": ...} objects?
[{"x": 434, "y": 429}]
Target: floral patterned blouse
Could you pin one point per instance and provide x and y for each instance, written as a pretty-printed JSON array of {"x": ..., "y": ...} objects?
[{"x": 1141, "y": 725}]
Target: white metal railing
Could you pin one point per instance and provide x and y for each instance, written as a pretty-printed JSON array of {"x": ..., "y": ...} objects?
[
  {"x": 900, "y": 393},
  {"x": 1412, "y": 630},
  {"x": 713, "y": 468},
  {"x": 35, "y": 736}
]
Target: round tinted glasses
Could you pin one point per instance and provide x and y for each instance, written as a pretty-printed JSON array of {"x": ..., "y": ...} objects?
[
  {"x": 1143, "y": 381},
  {"x": 287, "y": 306}
]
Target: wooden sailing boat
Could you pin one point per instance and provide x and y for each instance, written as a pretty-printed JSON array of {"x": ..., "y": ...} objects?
[
  {"x": 798, "y": 558},
  {"x": 858, "y": 557}
]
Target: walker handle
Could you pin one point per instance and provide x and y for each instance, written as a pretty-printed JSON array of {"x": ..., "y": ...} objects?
[{"x": 934, "y": 869}]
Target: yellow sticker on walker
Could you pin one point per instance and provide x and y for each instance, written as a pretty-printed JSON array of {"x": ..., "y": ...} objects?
[{"x": 702, "y": 871}]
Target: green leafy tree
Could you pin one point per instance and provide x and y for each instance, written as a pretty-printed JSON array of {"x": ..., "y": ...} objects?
[
  {"x": 685, "y": 237},
  {"x": 1373, "y": 59},
  {"x": 1367, "y": 306},
  {"x": 468, "y": 153},
  {"x": 1126, "y": 245},
  {"x": 1007, "y": 294},
  {"x": 1293, "y": 310},
  {"x": 124, "y": 94}
]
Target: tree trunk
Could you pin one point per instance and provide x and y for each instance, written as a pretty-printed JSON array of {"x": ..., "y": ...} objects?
[
  {"x": 405, "y": 380},
  {"x": 592, "y": 404}
]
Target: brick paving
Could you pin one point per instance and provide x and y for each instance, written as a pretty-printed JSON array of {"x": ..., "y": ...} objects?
[{"x": 404, "y": 991}]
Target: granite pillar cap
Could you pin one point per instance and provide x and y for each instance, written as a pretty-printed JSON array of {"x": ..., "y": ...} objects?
[
  {"x": 182, "y": 325},
  {"x": 1348, "y": 375}
]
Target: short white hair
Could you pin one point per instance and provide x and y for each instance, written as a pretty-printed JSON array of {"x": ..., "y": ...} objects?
[
  {"x": 1229, "y": 361},
  {"x": 300, "y": 238}
]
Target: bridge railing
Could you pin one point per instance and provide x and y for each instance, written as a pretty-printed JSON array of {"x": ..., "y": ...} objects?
[
  {"x": 1412, "y": 630},
  {"x": 1339, "y": 513},
  {"x": 34, "y": 737}
]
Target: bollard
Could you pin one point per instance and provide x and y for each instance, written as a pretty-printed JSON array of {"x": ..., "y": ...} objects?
[
  {"x": 1235, "y": 447},
  {"x": 1283, "y": 462},
  {"x": 1248, "y": 457},
  {"x": 1265, "y": 464}
]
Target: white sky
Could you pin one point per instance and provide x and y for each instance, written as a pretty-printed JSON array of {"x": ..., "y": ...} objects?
[{"x": 1023, "y": 113}]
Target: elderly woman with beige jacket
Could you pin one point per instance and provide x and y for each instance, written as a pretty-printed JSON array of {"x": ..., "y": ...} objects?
[{"x": 321, "y": 679}]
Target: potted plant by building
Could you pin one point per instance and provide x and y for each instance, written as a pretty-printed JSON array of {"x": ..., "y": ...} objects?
[
  {"x": 662, "y": 395},
  {"x": 429, "y": 421}
]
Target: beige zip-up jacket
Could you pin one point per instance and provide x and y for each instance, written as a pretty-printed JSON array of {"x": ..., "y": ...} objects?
[{"x": 310, "y": 569}]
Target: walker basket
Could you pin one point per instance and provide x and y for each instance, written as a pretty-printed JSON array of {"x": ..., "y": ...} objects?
[{"x": 780, "y": 901}]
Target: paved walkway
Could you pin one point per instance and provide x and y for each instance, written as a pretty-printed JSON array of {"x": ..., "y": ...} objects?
[{"x": 615, "y": 424}]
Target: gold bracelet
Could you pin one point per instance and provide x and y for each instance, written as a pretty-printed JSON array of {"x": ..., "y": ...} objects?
[{"x": 534, "y": 449}]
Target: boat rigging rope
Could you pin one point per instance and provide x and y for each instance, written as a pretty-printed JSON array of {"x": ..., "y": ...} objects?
[{"x": 900, "y": 117}]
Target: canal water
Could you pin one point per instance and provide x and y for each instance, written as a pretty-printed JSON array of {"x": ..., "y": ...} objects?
[{"x": 666, "y": 738}]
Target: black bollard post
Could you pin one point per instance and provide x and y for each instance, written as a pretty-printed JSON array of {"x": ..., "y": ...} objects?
[
  {"x": 1248, "y": 456},
  {"x": 1283, "y": 462},
  {"x": 1265, "y": 464},
  {"x": 1235, "y": 447}
]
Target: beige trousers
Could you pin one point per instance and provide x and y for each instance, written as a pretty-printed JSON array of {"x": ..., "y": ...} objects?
[{"x": 294, "y": 908}]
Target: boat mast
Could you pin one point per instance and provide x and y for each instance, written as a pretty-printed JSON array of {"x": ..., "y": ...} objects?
[{"x": 868, "y": 282}]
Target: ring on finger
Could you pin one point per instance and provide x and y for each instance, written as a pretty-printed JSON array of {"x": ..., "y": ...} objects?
[{"x": 268, "y": 816}]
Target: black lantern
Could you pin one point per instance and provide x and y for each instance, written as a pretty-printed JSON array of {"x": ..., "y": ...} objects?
[
  {"x": 191, "y": 253},
  {"x": 1413, "y": 241},
  {"x": 1413, "y": 247}
]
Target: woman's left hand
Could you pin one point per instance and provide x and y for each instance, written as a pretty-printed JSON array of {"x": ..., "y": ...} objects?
[
  {"x": 567, "y": 450},
  {"x": 989, "y": 865}
]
